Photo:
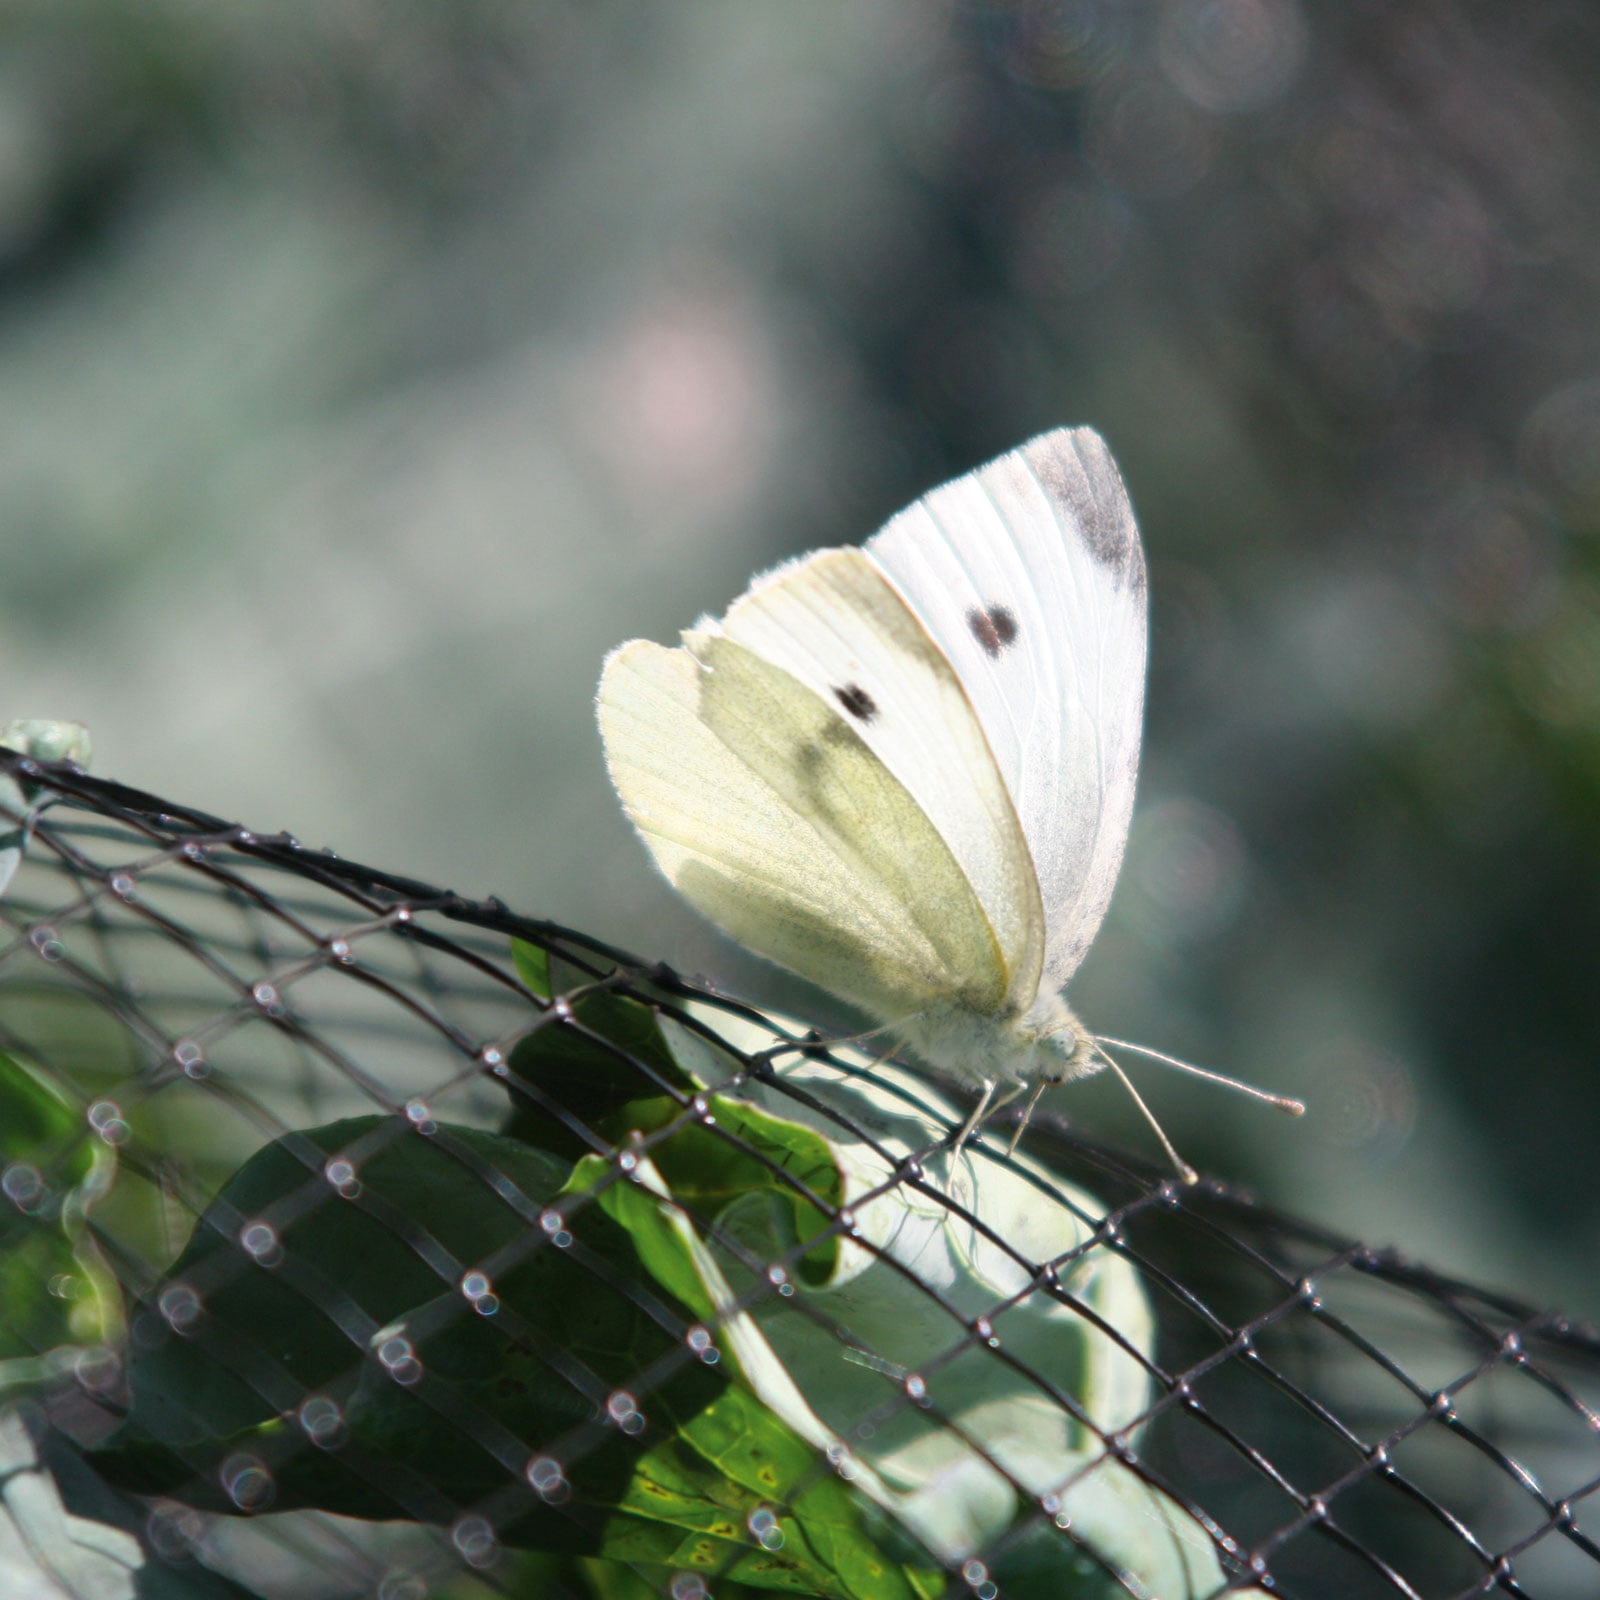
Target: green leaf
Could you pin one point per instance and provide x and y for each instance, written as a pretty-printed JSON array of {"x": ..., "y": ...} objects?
[
  {"x": 488, "y": 1392},
  {"x": 598, "y": 1083},
  {"x": 607, "y": 1068},
  {"x": 531, "y": 963},
  {"x": 733, "y": 1494},
  {"x": 758, "y": 1154},
  {"x": 719, "y": 1467},
  {"x": 372, "y": 1225},
  {"x": 615, "y": 1580},
  {"x": 939, "y": 1480},
  {"x": 937, "y": 1468},
  {"x": 56, "y": 1290},
  {"x": 746, "y": 1465},
  {"x": 1143, "y": 1535}
]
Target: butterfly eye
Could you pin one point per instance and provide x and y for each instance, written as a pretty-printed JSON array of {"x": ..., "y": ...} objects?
[
  {"x": 857, "y": 702},
  {"x": 1060, "y": 1052},
  {"x": 993, "y": 627}
]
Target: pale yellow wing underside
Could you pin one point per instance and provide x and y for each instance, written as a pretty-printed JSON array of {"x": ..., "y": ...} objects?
[
  {"x": 767, "y": 808},
  {"x": 837, "y": 624}
]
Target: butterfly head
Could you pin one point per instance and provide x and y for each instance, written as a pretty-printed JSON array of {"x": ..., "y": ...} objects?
[{"x": 1060, "y": 1047}]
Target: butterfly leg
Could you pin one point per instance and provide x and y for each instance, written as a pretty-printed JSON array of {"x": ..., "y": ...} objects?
[
  {"x": 986, "y": 1107},
  {"x": 1027, "y": 1116},
  {"x": 977, "y": 1116}
]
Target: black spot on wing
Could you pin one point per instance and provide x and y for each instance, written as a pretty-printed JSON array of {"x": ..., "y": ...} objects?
[
  {"x": 857, "y": 702},
  {"x": 994, "y": 628}
]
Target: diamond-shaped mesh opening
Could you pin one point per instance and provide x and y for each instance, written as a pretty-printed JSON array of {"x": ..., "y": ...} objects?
[{"x": 344, "y": 1254}]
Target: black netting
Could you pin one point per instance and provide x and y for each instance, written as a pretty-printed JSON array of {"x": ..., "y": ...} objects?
[{"x": 363, "y": 1239}]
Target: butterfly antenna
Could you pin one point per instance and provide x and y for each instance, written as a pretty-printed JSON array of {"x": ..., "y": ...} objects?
[
  {"x": 1282, "y": 1102},
  {"x": 1182, "y": 1167}
]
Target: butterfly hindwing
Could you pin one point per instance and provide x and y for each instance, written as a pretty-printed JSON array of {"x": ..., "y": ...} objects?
[
  {"x": 763, "y": 805},
  {"x": 837, "y": 625}
]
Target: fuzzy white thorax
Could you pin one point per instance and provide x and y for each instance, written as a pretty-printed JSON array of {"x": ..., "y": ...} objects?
[{"x": 1046, "y": 1044}]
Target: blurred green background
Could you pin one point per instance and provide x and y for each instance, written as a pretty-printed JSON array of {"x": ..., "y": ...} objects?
[{"x": 367, "y": 371}]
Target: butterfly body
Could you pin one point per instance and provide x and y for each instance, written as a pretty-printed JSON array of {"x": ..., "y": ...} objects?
[
  {"x": 1046, "y": 1044},
  {"x": 906, "y": 770}
]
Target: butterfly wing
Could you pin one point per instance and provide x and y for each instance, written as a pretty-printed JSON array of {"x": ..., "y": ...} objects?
[
  {"x": 839, "y": 627},
  {"x": 1029, "y": 576},
  {"x": 764, "y": 804}
]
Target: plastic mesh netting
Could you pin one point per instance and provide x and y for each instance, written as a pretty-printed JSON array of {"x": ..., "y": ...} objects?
[{"x": 359, "y": 1238}]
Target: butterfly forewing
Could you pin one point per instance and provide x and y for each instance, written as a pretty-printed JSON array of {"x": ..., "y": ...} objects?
[{"x": 1029, "y": 576}]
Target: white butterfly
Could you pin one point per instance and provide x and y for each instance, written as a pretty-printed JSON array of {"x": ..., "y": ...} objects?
[{"x": 906, "y": 771}]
